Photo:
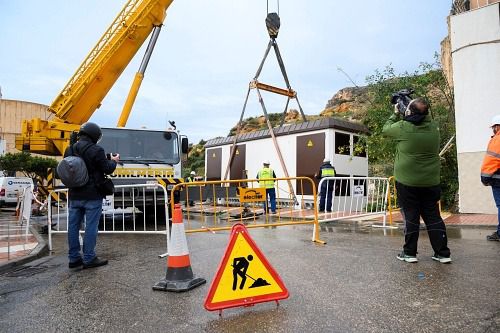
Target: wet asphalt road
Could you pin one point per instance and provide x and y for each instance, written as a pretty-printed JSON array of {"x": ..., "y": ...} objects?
[{"x": 352, "y": 284}]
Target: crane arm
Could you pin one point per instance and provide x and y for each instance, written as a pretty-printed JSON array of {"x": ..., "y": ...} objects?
[{"x": 98, "y": 72}]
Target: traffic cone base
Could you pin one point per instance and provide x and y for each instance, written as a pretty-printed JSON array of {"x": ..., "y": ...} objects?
[{"x": 179, "y": 276}]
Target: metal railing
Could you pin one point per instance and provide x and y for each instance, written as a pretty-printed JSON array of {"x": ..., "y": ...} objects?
[
  {"x": 132, "y": 209},
  {"x": 18, "y": 237},
  {"x": 210, "y": 206},
  {"x": 354, "y": 197}
]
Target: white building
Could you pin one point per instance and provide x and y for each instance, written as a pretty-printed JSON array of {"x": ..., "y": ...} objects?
[
  {"x": 475, "y": 47},
  {"x": 303, "y": 146}
]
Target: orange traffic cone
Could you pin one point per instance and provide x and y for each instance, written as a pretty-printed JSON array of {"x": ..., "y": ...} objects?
[{"x": 179, "y": 274}]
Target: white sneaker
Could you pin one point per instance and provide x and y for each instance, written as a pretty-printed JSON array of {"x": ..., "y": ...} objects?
[
  {"x": 404, "y": 257},
  {"x": 441, "y": 259}
]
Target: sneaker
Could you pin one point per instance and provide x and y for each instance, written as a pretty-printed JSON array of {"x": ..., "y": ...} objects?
[
  {"x": 404, "y": 257},
  {"x": 441, "y": 259},
  {"x": 493, "y": 237},
  {"x": 75, "y": 264},
  {"x": 96, "y": 262}
]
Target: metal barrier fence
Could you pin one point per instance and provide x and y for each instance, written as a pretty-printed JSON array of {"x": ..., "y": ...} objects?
[
  {"x": 17, "y": 234},
  {"x": 216, "y": 205},
  {"x": 137, "y": 208},
  {"x": 354, "y": 197}
]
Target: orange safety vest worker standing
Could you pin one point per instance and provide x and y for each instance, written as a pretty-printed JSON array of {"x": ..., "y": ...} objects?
[{"x": 490, "y": 170}]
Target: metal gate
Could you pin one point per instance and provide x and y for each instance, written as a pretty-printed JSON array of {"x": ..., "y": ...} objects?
[
  {"x": 354, "y": 197},
  {"x": 216, "y": 205},
  {"x": 134, "y": 209}
]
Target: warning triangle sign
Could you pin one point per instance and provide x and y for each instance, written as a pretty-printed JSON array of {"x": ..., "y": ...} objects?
[{"x": 244, "y": 276}]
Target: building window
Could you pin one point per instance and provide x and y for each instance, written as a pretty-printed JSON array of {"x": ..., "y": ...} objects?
[
  {"x": 342, "y": 143},
  {"x": 358, "y": 146}
]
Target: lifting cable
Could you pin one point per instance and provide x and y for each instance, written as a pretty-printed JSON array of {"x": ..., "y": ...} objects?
[{"x": 267, "y": 6}]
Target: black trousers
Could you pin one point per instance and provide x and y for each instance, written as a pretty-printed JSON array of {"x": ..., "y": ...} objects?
[
  {"x": 325, "y": 196},
  {"x": 416, "y": 202}
]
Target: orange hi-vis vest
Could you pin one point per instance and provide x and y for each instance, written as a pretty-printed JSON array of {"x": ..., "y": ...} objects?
[{"x": 491, "y": 162}]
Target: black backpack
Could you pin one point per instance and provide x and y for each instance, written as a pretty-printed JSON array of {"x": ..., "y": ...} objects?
[{"x": 72, "y": 169}]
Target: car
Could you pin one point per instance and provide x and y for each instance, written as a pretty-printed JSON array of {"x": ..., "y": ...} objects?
[{"x": 11, "y": 188}]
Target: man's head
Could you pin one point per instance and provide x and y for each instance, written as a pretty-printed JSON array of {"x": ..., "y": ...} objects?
[
  {"x": 326, "y": 160},
  {"x": 193, "y": 173},
  {"x": 417, "y": 106},
  {"x": 266, "y": 163},
  {"x": 495, "y": 124},
  {"x": 91, "y": 130}
]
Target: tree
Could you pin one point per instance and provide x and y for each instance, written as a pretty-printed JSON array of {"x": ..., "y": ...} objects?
[
  {"x": 427, "y": 81},
  {"x": 30, "y": 166}
]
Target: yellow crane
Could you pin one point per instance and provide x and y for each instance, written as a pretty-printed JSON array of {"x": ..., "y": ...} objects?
[{"x": 98, "y": 72}]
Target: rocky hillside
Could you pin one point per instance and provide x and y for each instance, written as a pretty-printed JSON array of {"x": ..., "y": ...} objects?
[{"x": 350, "y": 103}]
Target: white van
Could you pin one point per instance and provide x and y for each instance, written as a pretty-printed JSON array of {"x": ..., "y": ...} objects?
[{"x": 11, "y": 188}]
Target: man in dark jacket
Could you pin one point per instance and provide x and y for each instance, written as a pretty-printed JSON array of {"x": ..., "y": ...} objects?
[
  {"x": 326, "y": 190},
  {"x": 417, "y": 174},
  {"x": 86, "y": 201}
]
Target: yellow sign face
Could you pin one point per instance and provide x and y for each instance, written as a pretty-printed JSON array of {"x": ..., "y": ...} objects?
[
  {"x": 310, "y": 143},
  {"x": 244, "y": 276},
  {"x": 252, "y": 194}
]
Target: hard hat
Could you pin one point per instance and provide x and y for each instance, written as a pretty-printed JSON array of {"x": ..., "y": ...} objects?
[
  {"x": 495, "y": 120},
  {"x": 192, "y": 173},
  {"x": 266, "y": 162},
  {"x": 326, "y": 160}
]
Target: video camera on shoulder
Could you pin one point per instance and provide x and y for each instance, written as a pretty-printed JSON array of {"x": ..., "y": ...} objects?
[{"x": 402, "y": 99}]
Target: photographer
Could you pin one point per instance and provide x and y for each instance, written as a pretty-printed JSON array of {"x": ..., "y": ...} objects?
[
  {"x": 85, "y": 202},
  {"x": 417, "y": 174}
]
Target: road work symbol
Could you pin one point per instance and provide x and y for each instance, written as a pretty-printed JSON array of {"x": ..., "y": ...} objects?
[
  {"x": 244, "y": 276},
  {"x": 240, "y": 267},
  {"x": 310, "y": 143}
]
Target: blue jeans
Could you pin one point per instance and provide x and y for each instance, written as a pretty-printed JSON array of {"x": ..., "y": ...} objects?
[
  {"x": 496, "y": 196},
  {"x": 78, "y": 209},
  {"x": 270, "y": 196}
]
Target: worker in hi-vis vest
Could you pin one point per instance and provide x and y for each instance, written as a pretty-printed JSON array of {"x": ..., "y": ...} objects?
[
  {"x": 190, "y": 179},
  {"x": 267, "y": 173},
  {"x": 326, "y": 191}
]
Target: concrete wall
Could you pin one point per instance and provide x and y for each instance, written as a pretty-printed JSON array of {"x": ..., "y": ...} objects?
[
  {"x": 12, "y": 114},
  {"x": 475, "y": 42}
]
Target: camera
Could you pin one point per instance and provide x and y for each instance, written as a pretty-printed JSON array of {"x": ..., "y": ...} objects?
[
  {"x": 402, "y": 99},
  {"x": 109, "y": 155}
]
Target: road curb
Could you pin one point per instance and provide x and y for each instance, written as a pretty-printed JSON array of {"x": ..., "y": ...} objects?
[{"x": 39, "y": 251}]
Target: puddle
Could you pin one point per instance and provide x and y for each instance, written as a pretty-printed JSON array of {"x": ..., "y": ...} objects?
[{"x": 453, "y": 232}]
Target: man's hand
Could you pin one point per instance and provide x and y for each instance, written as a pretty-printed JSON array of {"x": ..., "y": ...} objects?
[
  {"x": 115, "y": 157},
  {"x": 396, "y": 111}
]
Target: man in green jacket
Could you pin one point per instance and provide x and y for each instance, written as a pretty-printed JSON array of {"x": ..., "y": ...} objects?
[{"x": 417, "y": 174}]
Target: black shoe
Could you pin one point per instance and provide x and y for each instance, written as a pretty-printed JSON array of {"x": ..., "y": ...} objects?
[
  {"x": 96, "y": 262},
  {"x": 493, "y": 237},
  {"x": 75, "y": 264}
]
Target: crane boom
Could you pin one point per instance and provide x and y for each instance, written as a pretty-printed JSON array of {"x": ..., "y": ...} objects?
[{"x": 91, "y": 82}]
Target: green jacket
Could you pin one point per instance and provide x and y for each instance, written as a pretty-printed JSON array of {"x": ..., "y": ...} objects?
[{"x": 417, "y": 151}]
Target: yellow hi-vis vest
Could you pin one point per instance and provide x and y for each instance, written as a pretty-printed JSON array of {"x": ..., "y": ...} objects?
[
  {"x": 266, "y": 173},
  {"x": 328, "y": 172}
]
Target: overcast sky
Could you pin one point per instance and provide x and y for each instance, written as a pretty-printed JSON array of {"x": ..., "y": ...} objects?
[{"x": 209, "y": 50}]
